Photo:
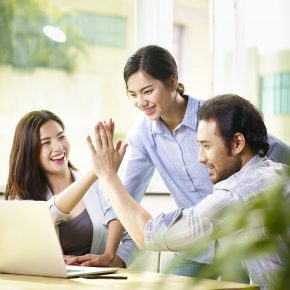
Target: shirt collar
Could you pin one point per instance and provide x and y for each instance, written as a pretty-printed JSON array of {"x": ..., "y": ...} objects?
[
  {"x": 189, "y": 119},
  {"x": 157, "y": 126},
  {"x": 254, "y": 160}
]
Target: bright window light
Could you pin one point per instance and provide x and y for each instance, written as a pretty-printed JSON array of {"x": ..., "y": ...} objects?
[{"x": 54, "y": 33}]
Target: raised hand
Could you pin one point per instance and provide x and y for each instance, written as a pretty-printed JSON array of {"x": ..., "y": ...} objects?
[
  {"x": 111, "y": 125},
  {"x": 105, "y": 158}
]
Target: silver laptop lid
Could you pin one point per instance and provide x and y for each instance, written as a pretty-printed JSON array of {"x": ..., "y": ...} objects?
[{"x": 28, "y": 243}]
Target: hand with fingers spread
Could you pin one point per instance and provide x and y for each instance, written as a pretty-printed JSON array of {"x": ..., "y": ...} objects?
[
  {"x": 105, "y": 158},
  {"x": 111, "y": 125}
]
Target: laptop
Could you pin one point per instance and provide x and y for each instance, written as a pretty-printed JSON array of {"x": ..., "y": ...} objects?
[{"x": 29, "y": 244}]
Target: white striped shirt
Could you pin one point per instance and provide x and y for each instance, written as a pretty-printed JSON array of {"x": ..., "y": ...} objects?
[{"x": 179, "y": 229}]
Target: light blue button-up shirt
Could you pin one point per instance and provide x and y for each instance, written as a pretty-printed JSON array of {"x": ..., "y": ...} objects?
[
  {"x": 152, "y": 146},
  {"x": 174, "y": 155}
]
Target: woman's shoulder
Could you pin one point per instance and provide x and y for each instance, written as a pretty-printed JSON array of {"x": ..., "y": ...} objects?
[{"x": 194, "y": 103}]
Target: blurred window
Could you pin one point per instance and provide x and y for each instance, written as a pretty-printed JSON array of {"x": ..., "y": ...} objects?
[
  {"x": 275, "y": 93},
  {"x": 68, "y": 57},
  {"x": 251, "y": 47},
  {"x": 104, "y": 30}
]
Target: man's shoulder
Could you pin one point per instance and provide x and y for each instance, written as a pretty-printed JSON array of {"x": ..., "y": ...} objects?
[{"x": 278, "y": 151}]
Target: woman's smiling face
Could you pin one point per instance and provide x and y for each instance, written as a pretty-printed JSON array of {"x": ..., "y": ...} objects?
[
  {"x": 149, "y": 95},
  {"x": 54, "y": 148}
]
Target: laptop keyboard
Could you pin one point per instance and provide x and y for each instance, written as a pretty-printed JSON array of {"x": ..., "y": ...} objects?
[
  {"x": 74, "y": 271},
  {"x": 71, "y": 269}
]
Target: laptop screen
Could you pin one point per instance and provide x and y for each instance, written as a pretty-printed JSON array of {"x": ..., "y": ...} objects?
[{"x": 29, "y": 243}]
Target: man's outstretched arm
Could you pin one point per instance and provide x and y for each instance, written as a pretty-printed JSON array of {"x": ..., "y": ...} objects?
[{"x": 104, "y": 157}]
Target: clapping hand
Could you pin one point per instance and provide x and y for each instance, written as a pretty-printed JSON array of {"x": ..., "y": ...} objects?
[{"x": 105, "y": 158}]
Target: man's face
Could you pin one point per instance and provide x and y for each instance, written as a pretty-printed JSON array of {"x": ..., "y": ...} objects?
[{"x": 220, "y": 161}]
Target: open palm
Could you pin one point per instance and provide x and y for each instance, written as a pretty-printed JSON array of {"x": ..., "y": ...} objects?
[{"x": 105, "y": 157}]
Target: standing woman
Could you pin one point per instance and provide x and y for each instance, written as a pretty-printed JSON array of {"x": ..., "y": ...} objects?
[
  {"x": 40, "y": 169},
  {"x": 164, "y": 138}
]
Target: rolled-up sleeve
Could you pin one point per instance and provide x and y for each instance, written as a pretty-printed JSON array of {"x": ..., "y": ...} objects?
[
  {"x": 127, "y": 249},
  {"x": 56, "y": 214},
  {"x": 179, "y": 229},
  {"x": 156, "y": 229}
]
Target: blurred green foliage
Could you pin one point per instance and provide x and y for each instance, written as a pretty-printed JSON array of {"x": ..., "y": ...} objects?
[{"x": 23, "y": 45}]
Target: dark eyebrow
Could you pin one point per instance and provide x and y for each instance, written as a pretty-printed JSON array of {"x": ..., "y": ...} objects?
[
  {"x": 47, "y": 138},
  {"x": 202, "y": 142},
  {"x": 141, "y": 89}
]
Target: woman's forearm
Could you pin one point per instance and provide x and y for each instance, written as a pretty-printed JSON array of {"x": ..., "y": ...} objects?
[
  {"x": 115, "y": 231},
  {"x": 69, "y": 198}
]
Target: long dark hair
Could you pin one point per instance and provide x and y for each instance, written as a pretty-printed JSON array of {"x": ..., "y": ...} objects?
[
  {"x": 26, "y": 179},
  {"x": 156, "y": 62},
  {"x": 233, "y": 114}
]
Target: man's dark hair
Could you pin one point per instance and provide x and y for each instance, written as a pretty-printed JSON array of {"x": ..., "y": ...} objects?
[{"x": 233, "y": 114}]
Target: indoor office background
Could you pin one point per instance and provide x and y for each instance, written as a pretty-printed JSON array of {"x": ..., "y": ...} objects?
[
  {"x": 221, "y": 46},
  {"x": 81, "y": 79}
]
